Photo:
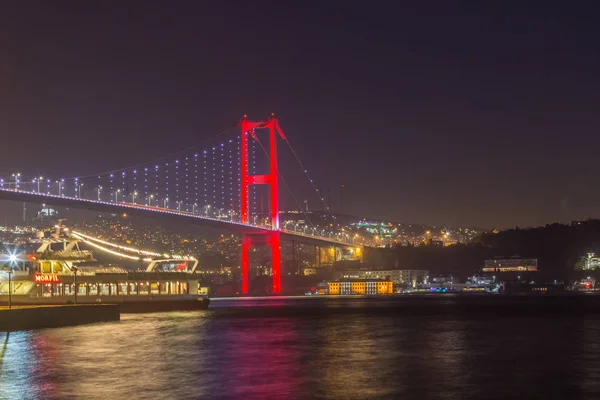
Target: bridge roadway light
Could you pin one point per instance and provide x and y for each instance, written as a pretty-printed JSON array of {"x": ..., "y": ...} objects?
[
  {"x": 117, "y": 195},
  {"x": 98, "y": 190},
  {"x": 150, "y": 199},
  {"x": 16, "y": 175},
  {"x": 79, "y": 190},
  {"x": 133, "y": 195}
]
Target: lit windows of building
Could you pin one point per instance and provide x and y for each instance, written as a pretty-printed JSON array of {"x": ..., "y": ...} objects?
[
  {"x": 361, "y": 287},
  {"x": 397, "y": 276},
  {"x": 510, "y": 265},
  {"x": 591, "y": 261}
]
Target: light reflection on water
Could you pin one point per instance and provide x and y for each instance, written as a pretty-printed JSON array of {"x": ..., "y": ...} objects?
[{"x": 296, "y": 348}]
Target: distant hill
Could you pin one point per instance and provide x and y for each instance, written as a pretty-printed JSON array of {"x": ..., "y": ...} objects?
[{"x": 558, "y": 248}]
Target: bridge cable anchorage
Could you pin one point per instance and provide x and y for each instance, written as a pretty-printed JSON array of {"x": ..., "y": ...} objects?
[{"x": 213, "y": 137}]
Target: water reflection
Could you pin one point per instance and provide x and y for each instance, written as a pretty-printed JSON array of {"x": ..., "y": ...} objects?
[
  {"x": 351, "y": 356},
  {"x": 444, "y": 355},
  {"x": 590, "y": 343},
  {"x": 292, "y": 349},
  {"x": 254, "y": 358}
]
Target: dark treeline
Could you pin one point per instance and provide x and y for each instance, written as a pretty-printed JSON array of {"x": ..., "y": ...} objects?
[{"x": 557, "y": 247}]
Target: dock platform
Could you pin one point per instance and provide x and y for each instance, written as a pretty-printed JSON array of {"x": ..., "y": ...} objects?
[{"x": 53, "y": 316}]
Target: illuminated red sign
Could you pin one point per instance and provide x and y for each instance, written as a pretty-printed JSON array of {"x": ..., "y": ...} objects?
[{"x": 46, "y": 278}]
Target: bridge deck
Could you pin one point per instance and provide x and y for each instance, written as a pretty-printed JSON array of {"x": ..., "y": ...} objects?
[{"x": 157, "y": 212}]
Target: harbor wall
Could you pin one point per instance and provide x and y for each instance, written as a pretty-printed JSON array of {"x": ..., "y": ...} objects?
[{"x": 36, "y": 317}]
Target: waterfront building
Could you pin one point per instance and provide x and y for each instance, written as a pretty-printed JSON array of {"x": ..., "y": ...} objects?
[
  {"x": 361, "y": 287},
  {"x": 397, "y": 276},
  {"x": 445, "y": 279},
  {"x": 591, "y": 261},
  {"x": 511, "y": 265},
  {"x": 58, "y": 272}
]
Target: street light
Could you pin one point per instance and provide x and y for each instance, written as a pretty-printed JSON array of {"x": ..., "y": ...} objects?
[
  {"x": 38, "y": 182},
  {"x": 117, "y": 195},
  {"x": 166, "y": 202},
  {"x": 16, "y": 176},
  {"x": 59, "y": 187},
  {"x": 10, "y": 271},
  {"x": 75, "y": 288},
  {"x": 98, "y": 190},
  {"x": 133, "y": 195},
  {"x": 178, "y": 205},
  {"x": 79, "y": 190},
  {"x": 194, "y": 208},
  {"x": 150, "y": 199}
]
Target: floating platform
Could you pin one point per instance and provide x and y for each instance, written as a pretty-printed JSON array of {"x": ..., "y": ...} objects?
[{"x": 20, "y": 318}]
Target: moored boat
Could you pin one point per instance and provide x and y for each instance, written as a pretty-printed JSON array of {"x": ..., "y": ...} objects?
[{"x": 60, "y": 272}]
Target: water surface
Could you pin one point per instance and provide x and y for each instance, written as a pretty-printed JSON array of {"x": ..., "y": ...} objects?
[{"x": 325, "y": 348}]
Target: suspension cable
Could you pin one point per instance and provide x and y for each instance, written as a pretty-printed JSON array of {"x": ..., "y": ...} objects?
[
  {"x": 327, "y": 208},
  {"x": 285, "y": 183},
  {"x": 97, "y": 175}
]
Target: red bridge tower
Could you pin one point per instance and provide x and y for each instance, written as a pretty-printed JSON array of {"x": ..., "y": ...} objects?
[{"x": 271, "y": 238}]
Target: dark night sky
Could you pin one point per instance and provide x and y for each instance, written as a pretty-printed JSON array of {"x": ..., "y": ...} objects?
[{"x": 427, "y": 112}]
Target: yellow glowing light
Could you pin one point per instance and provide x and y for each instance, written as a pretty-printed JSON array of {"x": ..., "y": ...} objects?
[
  {"x": 143, "y": 252},
  {"x": 116, "y": 253}
]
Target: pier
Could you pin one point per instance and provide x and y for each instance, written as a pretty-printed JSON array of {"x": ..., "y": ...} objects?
[{"x": 53, "y": 316}]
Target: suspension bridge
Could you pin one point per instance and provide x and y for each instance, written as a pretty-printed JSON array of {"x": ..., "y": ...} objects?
[{"x": 224, "y": 185}]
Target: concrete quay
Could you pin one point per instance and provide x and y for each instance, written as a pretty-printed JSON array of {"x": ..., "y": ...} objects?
[{"x": 53, "y": 316}]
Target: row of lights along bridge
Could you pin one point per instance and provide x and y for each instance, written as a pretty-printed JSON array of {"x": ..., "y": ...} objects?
[{"x": 36, "y": 185}]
